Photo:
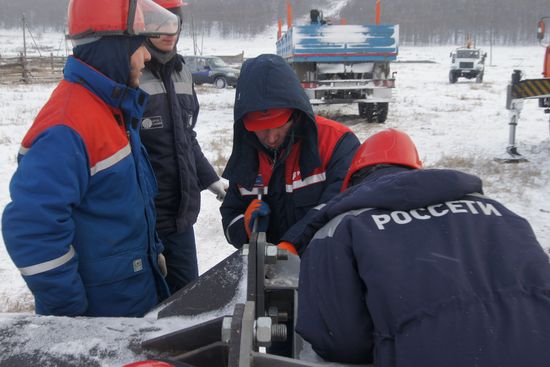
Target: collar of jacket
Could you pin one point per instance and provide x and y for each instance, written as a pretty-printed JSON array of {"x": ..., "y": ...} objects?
[
  {"x": 160, "y": 56},
  {"x": 400, "y": 188},
  {"x": 394, "y": 188},
  {"x": 162, "y": 70},
  {"x": 243, "y": 164},
  {"x": 131, "y": 101}
]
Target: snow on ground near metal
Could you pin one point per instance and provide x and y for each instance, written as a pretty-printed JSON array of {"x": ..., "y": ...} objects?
[{"x": 462, "y": 126}]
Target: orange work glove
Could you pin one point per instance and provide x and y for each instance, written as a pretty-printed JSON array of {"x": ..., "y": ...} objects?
[
  {"x": 283, "y": 245},
  {"x": 256, "y": 209}
]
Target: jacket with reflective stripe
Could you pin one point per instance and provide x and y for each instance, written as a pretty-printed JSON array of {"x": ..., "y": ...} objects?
[
  {"x": 313, "y": 170},
  {"x": 181, "y": 168},
  {"x": 289, "y": 194},
  {"x": 81, "y": 224},
  {"x": 417, "y": 268}
]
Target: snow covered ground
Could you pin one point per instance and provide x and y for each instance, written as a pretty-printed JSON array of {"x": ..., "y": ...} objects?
[{"x": 462, "y": 126}]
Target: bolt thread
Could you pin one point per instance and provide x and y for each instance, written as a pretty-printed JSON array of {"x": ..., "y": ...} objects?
[
  {"x": 282, "y": 254},
  {"x": 278, "y": 332}
]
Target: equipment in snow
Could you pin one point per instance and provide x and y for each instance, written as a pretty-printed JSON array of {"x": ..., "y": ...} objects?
[
  {"x": 265, "y": 319},
  {"x": 517, "y": 91}
]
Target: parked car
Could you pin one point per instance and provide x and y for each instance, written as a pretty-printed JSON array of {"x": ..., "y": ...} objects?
[{"x": 212, "y": 70}]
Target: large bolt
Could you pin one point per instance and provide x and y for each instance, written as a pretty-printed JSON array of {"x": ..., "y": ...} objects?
[
  {"x": 282, "y": 254},
  {"x": 273, "y": 253},
  {"x": 270, "y": 254},
  {"x": 277, "y": 316},
  {"x": 263, "y": 331},
  {"x": 266, "y": 332}
]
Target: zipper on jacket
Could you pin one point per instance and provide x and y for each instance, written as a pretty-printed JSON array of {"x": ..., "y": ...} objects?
[{"x": 274, "y": 160}]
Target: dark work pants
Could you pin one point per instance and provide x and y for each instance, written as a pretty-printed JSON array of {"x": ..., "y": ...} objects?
[{"x": 181, "y": 258}]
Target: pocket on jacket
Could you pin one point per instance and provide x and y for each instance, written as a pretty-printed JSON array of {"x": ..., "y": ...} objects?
[
  {"x": 120, "y": 287},
  {"x": 113, "y": 269}
]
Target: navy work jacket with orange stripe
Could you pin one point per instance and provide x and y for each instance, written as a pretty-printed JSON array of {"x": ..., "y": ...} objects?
[
  {"x": 418, "y": 268},
  {"x": 81, "y": 223},
  {"x": 307, "y": 171}
]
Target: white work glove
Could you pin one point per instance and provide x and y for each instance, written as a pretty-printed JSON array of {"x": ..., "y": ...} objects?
[
  {"x": 162, "y": 265},
  {"x": 219, "y": 188}
]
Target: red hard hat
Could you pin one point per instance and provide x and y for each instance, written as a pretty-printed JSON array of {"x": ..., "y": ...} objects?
[
  {"x": 169, "y": 4},
  {"x": 268, "y": 119},
  {"x": 96, "y": 18},
  {"x": 389, "y": 146}
]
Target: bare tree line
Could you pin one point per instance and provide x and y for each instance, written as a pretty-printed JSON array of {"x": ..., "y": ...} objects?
[
  {"x": 425, "y": 22},
  {"x": 422, "y": 22}
]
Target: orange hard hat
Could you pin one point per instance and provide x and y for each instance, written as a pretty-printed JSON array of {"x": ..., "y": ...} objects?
[
  {"x": 389, "y": 146},
  {"x": 149, "y": 363},
  {"x": 97, "y": 18},
  {"x": 268, "y": 119}
]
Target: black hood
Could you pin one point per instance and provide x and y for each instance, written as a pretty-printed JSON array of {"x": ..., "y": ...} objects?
[
  {"x": 265, "y": 82},
  {"x": 110, "y": 55}
]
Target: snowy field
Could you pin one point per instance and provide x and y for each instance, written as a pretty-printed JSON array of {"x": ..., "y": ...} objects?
[{"x": 461, "y": 126}]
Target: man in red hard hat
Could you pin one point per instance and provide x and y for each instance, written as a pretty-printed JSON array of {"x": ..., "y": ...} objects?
[
  {"x": 81, "y": 223},
  {"x": 416, "y": 267},
  {"x": 182, "y": 170},
  {"x": 285, "y": 160}
]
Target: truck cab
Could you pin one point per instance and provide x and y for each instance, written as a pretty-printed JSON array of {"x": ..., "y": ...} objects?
[{"x": 467, "y": 62}]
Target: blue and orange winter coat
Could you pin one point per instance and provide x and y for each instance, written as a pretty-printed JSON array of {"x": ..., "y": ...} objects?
[
  {"x": 81, "y": 223},
  {"x": 418, "y": 268},
  {"x": 309, "y": 170}
]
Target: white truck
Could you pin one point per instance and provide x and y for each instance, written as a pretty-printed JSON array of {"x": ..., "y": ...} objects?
[{"x": 467, "y": 62}]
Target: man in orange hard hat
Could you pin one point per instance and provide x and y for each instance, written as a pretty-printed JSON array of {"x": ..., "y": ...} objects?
[
  {"x": 81, "y": 223},
  {"x": 182, "y": 170},
  {"x": 285, "y": 160},
  {"x": 416, "y": 267}
]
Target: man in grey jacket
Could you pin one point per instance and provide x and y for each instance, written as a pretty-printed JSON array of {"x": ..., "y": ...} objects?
[{"x": 181, "y": 169}]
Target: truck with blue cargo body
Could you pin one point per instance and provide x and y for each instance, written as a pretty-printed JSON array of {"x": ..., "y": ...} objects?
[{"x": 343, "y": 64}]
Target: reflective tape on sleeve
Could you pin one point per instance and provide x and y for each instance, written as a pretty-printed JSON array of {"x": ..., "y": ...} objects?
[
  {"x": 48, "y": 265},
  {"x": 236, "y": 219}
]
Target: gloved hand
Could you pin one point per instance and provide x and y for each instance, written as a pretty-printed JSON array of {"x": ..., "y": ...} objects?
[
  {"x": 284, "y": 245},
  {"x": 256, "y": 209},
  {"x": 219, "y": 188},
  {"x": 161, "y": 260}
]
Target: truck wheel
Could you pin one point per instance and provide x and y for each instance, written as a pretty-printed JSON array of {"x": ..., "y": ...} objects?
[
  {"x": 479, "y": 78},
  {"x": 220, "y": 82},
  {"x": 382, "y": 112},
  {"x": 362, "y": 109},
  {"x": 452, "y": 77},
  {"x": 367, "y": 110}
]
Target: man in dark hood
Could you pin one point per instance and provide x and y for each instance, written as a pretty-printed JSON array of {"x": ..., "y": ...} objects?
[
  {"x": 81, "y": 223},
  {"x": 285, "y": 159},
  {"x": 181, "y": 169},
  {"x": 416, "y": 267}
]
